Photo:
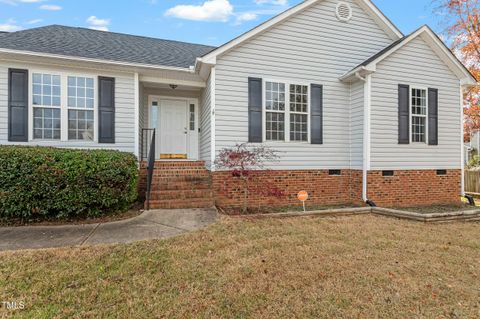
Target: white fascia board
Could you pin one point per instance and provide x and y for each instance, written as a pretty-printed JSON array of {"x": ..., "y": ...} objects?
[
  {"x": 159, "y": 80},
  {"x": 432, "y": 40},
  {"x": 381, "y": 19},
  {"x": 90, "y": 60},
  {"x": 210, "y": 58}
]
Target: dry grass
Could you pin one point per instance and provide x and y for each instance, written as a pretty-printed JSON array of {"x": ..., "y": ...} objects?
[{"x": 352, "y": 267}]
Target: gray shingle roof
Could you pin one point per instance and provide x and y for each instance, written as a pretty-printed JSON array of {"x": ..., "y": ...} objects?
[
  {"x": 382, "y": 52},
  {"x": 86, "y": 43}
]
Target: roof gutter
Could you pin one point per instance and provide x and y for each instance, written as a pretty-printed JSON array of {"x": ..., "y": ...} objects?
[
  {"x": 90, "y": 60},
  {"x": 357, "y": 73}
]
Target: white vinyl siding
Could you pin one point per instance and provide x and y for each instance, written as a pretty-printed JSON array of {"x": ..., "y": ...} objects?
[
  {"x": 310, "y": 47},
  {"x": 356, "y": 129},
  {"x": 124, "y": 106},
  {"x": 205, "y": 124},
  {"x": 417, "y": 65}
]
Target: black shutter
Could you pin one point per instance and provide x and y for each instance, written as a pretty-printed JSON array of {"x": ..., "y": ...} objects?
[
  {"x": 255, "y": 121},
  {"x": 403, "y": 114},
  {"x": 316, "y": 111},
  {"x": 18, "y": 105},
  {"x": 432, "y": 116},
  {"x": 106, "y": 110}
]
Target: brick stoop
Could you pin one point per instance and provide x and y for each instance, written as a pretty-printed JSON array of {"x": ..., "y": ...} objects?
[{"x": 180, "y": 184}]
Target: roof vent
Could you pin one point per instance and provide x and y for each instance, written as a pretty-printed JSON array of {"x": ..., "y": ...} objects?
[{"x": 344, "y": 11}]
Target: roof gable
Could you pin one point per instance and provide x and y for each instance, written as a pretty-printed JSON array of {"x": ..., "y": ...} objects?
[
  {"x": 431, "y": 38},
  {"x": 367, "y": 5},
  {"x": 106, "y": 46}
]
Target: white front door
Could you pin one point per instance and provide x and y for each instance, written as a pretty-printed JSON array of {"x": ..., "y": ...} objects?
[{"x": 173, "y": 129}]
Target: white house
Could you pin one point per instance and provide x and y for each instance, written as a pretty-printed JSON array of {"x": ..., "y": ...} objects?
[{"x": 356, "y": 110}]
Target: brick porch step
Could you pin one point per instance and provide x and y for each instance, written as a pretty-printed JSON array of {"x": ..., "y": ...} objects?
[
  {"x": 181, "y": 204},
  {"x": 180, "y": 184},
  {"x": 181, "y": 194},
  {"x": 176, "y": 185}
]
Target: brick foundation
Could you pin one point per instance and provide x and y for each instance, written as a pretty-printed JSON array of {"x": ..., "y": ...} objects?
[
  {"x": 278, "y": 188},
  {"x": 414, "y": 188},
  {"x": 189, "y": 184}
]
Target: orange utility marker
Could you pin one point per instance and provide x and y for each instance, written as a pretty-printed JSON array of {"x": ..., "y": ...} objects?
[{"x": 303, "y": 197}]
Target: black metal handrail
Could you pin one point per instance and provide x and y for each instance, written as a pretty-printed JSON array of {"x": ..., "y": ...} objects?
[
  {"x": 150, "y": 169},
  {"x": 146, "y": 143}
]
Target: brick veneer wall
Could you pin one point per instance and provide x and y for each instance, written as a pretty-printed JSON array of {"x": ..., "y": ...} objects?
[
  {"x": 277, "y": 188},
  {"x": 414, "y": 188},
  {"x": 405, "y": 189}
]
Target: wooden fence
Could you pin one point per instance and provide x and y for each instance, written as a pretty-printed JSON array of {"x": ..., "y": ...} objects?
[{"x": 472, "y": 182}]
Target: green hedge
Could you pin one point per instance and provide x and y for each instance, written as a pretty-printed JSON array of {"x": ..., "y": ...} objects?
[{"x": 50, "y": 183}]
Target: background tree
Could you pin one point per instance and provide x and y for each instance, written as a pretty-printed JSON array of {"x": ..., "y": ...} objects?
[
  {"x": 463, "y": 30},
  {"x": 243, "y": 161}
]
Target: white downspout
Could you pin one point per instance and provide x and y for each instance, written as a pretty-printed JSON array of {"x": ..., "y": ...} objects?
[
  {"x": 462, "y": 118},
  {"x": 366, "y": 135},
  {"x": 366, "y": 131}
]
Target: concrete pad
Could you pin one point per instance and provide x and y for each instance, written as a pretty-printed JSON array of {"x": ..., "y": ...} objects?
[
  {"x": 149, "y": 225},
  {"x": 16, "y": 238},
  {"x": 185, "y": 219},
  {"x": 131, "y": 231}
]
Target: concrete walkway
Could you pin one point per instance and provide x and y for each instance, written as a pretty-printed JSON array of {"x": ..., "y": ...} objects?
[{"x": 150, "y": 225}]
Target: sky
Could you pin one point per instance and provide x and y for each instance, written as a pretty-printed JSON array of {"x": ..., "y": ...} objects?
[{"x": 211, "y": 22}]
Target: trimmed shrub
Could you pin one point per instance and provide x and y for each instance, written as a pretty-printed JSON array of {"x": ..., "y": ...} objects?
[{"x": 50, "y": 183}]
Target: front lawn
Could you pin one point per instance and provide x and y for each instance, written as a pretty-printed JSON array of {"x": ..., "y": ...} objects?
[{"x": 350, "y": 267}]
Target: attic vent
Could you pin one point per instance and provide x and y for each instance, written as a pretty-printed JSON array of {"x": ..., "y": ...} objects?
[{"x": 344, "y": 11}]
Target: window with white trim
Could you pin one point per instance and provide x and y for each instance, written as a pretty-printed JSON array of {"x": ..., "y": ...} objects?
[
  {"x": 298, "y": 113},
  {"x": 192, "y": 117},
  {"x": 275, "y": 115},
  {"x": 286, "y": 112},
  {"x": 80, "y": 108},
  {"x": 46, "y": 99},
  {"x": 419, "y": 115}
]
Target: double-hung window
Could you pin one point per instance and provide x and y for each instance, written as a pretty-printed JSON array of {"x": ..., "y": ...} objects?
[
  {"x": 275, "y": 111},
  {"x": 46, "y": 101},
  {"x": 80, "y": 108},
  {"x": 63, "y": 107},
  {"x": 286, "y": 112},
  {"x": 298, "y": 113},
  {"x": 419, "y": 115}
]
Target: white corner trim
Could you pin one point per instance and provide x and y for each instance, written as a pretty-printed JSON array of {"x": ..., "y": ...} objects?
[
  {"x": 210, "y": 58},
  {"x": 462, "y": 151},
  {"x": 213, "y": 83},
  {"x": 137, "y": 114},
  {"x": 366, "y": 135}
]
